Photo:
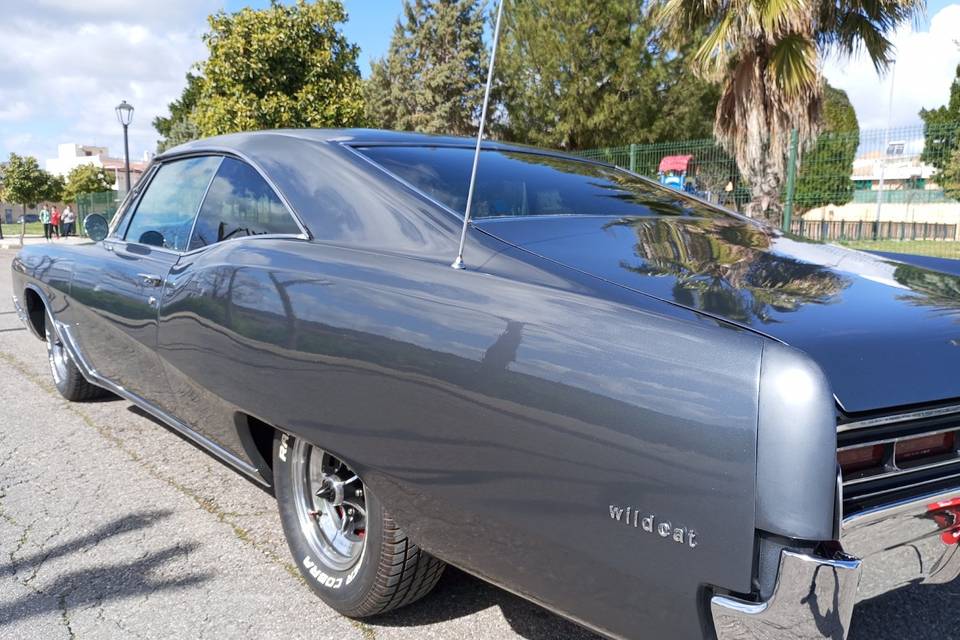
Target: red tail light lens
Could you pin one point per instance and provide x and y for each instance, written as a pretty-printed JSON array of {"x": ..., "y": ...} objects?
[
  {"x": 924, "y": 447},
  {"x": 860, "y": 458}
]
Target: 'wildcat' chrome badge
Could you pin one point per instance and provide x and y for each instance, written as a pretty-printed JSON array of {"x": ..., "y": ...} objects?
[{"x": 648, "y": 523}]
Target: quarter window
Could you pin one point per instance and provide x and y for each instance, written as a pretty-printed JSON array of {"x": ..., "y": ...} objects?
[
  {"x": 240, "y": 203},
  {"x": 167, "y": 209}
]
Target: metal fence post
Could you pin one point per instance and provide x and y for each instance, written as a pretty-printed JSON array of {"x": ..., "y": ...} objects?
[
  {"x": 633, "y": 158},
  {"x": 791, "y": 180}
]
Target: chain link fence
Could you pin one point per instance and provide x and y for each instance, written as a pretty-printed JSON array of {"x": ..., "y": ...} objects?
[{"x": 885, "y": 189}]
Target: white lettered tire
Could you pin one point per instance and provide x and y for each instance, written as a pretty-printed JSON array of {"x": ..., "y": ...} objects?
[{"x": 348, "y": 548}]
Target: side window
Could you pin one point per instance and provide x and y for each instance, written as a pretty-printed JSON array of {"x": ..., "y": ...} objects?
[
  {"x": 165, "y": 213},
  {"x": 239, "y": 203}
]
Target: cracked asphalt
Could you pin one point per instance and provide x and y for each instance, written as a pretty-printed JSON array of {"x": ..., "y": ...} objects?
[{"x": 112, "y": 526}]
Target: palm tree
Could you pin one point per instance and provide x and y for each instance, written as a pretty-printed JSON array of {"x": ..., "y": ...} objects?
[{"x": 766, "y": 55}]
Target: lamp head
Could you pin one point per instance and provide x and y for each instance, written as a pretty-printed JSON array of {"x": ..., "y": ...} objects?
[{"x": 124, "y": 112}]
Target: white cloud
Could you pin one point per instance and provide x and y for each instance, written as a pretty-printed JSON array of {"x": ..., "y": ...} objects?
[
  {"x": 14, "y": 111},
  {"x": 65, "y": 65},
  {"x": 926, "y": 63}
]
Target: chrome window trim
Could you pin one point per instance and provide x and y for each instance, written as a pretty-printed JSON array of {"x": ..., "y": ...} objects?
[
  {"x": 203, "y": 199},
  {"x": 898, "y": 417},
  {"x": 303, "y": 232},
  {"x": 195, "y": 213},
  {"x": 131, "y": 199},
  {"x": 232, "y": 153},
  {"x": 303, "y": 235}
]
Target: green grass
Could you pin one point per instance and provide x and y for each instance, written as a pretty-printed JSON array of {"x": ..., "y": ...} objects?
[
  {"x": 934, "y": 248},
  {"x": 13, "y": 230}
]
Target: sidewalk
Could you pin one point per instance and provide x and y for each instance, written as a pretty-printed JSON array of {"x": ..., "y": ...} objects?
[{"x": 13, "y": 241}]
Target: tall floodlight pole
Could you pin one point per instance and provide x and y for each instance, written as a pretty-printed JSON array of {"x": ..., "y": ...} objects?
[
  {"x": 125, "y": 116},
  {"x": 886, "y": 149},
  {"x": 458, "y": 263}
]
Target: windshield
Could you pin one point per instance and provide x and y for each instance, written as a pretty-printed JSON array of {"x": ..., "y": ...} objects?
[{"x": 512, "y": 183}]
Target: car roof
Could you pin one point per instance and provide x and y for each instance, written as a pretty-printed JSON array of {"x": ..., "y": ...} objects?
[{"x": 353, "y": 137}]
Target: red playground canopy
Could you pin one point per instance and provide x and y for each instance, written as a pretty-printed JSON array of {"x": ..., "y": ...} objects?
[{"x": 674, "y": 163}]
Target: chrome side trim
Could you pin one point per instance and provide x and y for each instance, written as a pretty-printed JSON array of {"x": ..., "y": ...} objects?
[
  {"x": 898, "y": 417},
  {"x": 812, "y": 599},
  {"x": 913, "y": 540},
  {"x": 202, "y": 441},
  {"x": 20, "y": 312}
]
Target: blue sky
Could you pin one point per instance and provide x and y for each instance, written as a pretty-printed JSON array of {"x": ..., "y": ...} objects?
[{"x": 64, "y": 65}]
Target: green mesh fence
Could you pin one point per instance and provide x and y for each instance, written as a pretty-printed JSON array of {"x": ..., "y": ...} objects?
[
  {"x": 105, "y": 203},
  {"x": 891, "y": 190}
]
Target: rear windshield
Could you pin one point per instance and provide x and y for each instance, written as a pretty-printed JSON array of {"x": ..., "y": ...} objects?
[{"x": 511, "y": 183}]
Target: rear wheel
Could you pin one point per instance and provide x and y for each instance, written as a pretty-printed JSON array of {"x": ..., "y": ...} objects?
[
  {"x": 349, "y": 549},
  {"x": 66, "y": 375}
]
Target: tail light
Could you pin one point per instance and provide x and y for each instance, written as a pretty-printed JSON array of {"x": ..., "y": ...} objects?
[
  {"x": 913, "y": 449},
  {"x": 860, "y": 458}
]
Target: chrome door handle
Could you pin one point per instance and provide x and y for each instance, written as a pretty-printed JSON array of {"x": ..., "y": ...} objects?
[
  {"x": 150, "y": 280},
  {"x": 152, "y": 301}
]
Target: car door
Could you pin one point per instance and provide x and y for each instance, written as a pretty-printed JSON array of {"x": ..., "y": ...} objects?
[
  {"x": 220, "y": 295},
  {"x": 119, "y": 289}
]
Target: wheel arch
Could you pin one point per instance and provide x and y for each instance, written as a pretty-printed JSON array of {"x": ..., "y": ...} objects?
[{"x": 36, "y": 306}]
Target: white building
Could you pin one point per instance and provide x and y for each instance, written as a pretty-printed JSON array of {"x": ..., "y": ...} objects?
[{"x": 71, "y": 155}]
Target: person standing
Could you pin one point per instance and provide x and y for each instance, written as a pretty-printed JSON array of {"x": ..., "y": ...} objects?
[
  {"x": 68, "y": 218},
  {"x": 45, "y": 221},
  {"x": 55, "y": 221}
]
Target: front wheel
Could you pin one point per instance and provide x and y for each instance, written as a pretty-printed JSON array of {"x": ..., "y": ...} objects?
[{"x": 349, "y": 549}]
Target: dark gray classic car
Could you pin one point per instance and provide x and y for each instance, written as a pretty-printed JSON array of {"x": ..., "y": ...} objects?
[{"x": 652, "y": 416}]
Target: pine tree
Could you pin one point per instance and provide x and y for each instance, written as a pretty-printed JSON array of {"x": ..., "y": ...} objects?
[
  {"x": 432, "y": 77},
  {"x": 580, "y": 74}
]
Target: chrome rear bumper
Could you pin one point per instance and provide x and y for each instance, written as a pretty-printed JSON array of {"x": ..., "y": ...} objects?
[
  {"x": 892, "y": 546},
  {"x": 907, "y": 542}
]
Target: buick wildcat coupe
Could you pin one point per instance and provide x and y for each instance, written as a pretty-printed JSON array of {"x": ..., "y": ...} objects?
[{"x": 650, "y": 415}]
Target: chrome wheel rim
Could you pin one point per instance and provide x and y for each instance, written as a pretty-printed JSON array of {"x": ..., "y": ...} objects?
[
  {"x": 56, "y": 352},
  {"x": 331, "y": 506}
]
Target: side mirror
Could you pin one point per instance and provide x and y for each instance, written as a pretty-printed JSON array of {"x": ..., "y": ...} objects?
[{"x": 96, "y": 227}]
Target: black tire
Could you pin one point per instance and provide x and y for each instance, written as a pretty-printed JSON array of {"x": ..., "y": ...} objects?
[
  {"x": 391, "y": 570},
  {"x": 66, "y": 375}
]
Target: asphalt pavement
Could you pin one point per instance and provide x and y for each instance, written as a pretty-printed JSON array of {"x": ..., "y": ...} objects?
[{"x": 112, "y": 526}]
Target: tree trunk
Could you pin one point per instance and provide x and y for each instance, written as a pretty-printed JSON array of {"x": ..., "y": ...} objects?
[
  {"x": 23, "y": 224},
  {"x": 765, "y": 205}
]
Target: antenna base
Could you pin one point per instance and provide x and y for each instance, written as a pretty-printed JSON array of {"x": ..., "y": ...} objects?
[{"x": 458, "y": 263}]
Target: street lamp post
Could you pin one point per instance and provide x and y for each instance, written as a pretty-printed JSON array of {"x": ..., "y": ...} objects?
[{"x": 125, "y": 116}]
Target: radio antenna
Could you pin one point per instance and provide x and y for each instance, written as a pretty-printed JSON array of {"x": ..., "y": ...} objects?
[{"x": 458, "y": 263}]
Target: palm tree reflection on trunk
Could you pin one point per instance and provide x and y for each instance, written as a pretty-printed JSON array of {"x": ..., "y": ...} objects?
[{"x": 728, "y": 267}]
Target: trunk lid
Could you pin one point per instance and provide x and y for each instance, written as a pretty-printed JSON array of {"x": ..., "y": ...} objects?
[{"x": 886, "y": 333}]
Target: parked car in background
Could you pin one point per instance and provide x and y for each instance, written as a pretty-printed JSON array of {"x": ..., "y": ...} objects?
[{"x": 650, "y": 415}]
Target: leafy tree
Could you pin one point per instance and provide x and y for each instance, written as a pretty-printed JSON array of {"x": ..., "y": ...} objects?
[
  {"x": 53, "y": 187},
  {"x": 581, "y": 74},
  {"x": 84, "y": 179},
  {"x": 180, "y": 126},
  {"x": 941, "y": 147},
  {"x": 824, "y": 176},
  {"x": 25, "y": 182},
  {"x": 283, "y": 66},
  {"x": 766, "y": 54},
  {"x": 432, "y": 78},
  {"x": 949, "y": 176}
]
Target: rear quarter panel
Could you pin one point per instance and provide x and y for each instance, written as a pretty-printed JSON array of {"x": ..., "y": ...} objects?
[{"x": 498, "y": 413}]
